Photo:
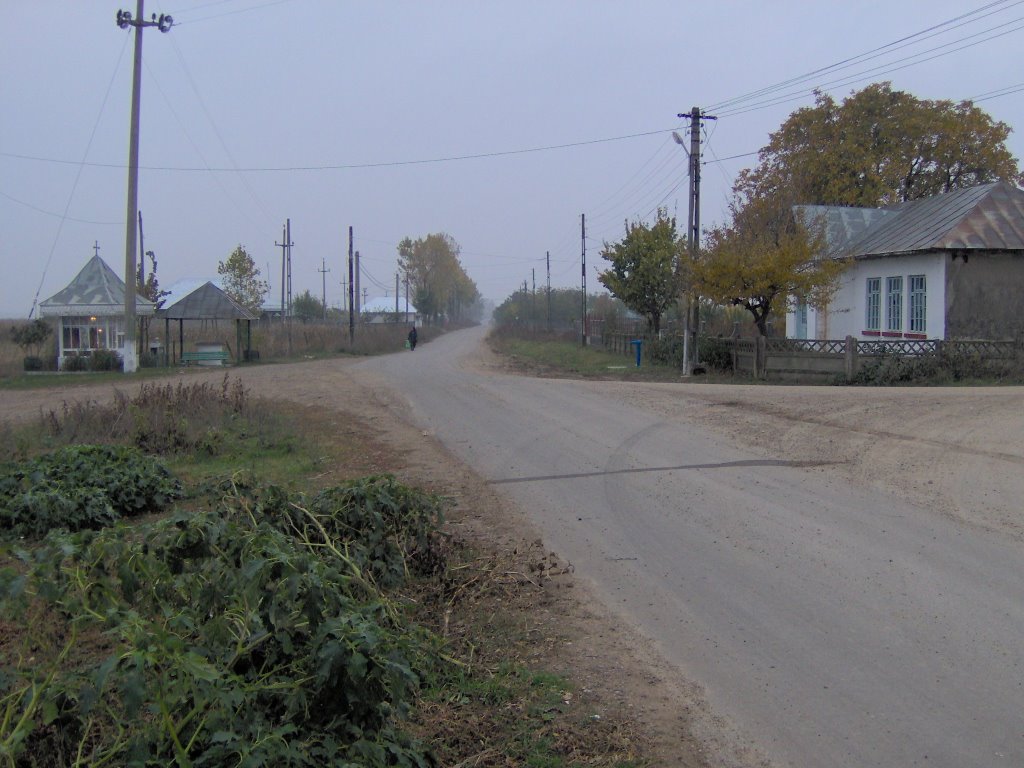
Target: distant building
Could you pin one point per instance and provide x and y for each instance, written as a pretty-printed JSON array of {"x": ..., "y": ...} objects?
[{"x": 383, "y": 310}]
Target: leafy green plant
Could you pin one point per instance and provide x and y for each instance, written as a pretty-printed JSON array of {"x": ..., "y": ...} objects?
[
  {"x": 81, "y": 486},
  {"x": 237, "y": 636}
]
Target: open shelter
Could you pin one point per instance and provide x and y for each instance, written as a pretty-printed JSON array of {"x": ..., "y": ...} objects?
[{"x": 205, "y": 302}]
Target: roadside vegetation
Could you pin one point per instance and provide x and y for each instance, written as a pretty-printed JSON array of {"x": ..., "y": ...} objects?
[
  {"x": 274, "y": 341},
  {"x": 184, "y": 581}
]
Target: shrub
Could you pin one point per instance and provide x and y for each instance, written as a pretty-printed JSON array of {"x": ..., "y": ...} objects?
[
  {"x": 150, "y": 360},
  {"x": 105, "y": 360},
  {"x": 81, "y": 486},
  {"x": 33, "y": 363},
  {"x": 76, "y": 363},
  {"x": 715, "y": 353}
]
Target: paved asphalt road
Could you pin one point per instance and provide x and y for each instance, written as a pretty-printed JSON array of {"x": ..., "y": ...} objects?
[{"x": 833, "y": 625}]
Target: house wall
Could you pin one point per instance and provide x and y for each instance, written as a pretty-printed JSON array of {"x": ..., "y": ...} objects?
[
  {"x": 984, "y": 296},
  {"x": 847, "y": 313}
]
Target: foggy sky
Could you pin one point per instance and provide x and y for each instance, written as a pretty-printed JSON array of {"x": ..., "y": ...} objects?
[{"x": 349, "y": 113}]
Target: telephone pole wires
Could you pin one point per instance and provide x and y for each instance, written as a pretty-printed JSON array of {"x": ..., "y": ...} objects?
[{"x": 164, "y": 23}]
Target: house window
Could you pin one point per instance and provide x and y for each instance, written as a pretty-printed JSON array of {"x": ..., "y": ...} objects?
[
  {"x": 918, "y": 303},
  {"x": 873, "y": 321},
  {"x": 894, "y": 303}
]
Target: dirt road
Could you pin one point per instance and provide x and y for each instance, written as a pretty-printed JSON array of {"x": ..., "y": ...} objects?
[{"x": 825, "y": 575}]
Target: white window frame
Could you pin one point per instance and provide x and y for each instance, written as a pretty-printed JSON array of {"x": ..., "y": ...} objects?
[
  {"x": 894, "y": 303},
  {"x": 873, "y": 313},
  {"x": 918, "y": 288}
]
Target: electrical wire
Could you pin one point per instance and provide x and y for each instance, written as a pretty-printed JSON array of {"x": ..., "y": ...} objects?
[
  {"x": 868, "y": 55},
  {"x": 61, "y": 216},
  {"x": 78, "y": 176}
]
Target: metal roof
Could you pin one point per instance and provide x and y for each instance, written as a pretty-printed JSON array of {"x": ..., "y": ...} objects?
[
  {"x": 385, "y": 304},
  {"x": 843, "y": 225},
  {"x": 984, "y": 217},
  {"x": 96, "y": 290},
  {"x": 206, "y": 302}
]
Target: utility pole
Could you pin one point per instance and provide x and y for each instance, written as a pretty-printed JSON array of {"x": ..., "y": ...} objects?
[
  {"x": 583, "y": 262},
  {"x": 125, "y": 20},
  {"x": 351, "y": 289},
  {"x": 283, "y": 245},
  {"x": 533, "y": 299},
  {"x": 288, "y": 240},
  {"x": 360, "y": 301},
  {"x": 693, "y": 226},
  {"x": 396, "y": 295},
  {"x": 323, "y": 275},
  {"x": 547, "y": 258}
]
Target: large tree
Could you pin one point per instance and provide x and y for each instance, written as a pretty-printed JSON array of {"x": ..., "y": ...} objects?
[
  {"x": 241, "y": 278},
  {"x": 439, "y": 285},
  {"x": 645, "y": 268},
  {"x": 765, "y": 260},
  {"x": 878, "y": 147}
]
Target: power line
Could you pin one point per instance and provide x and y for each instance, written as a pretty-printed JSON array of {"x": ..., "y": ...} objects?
[
  {"x": 78, "y": 176},
  {"x": 867, "y": 55},
  {"x": 352, "y": 166}
]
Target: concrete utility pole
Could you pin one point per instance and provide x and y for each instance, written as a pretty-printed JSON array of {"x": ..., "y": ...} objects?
[
  {"x": 283, "y": 245},
  {"x": 360, "y": 301},
  {"x": 547, "y": 258},
  {"x": 693, "y": 227},
  {"x": 323, "y": 274},
  {"x": 583, "y": 239},
  {"x": 351, "y": 291},
  {"x": 125, "y": 20}
]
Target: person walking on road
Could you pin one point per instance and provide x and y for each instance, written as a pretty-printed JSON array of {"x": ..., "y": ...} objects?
[{"x": 412, "y": 338}]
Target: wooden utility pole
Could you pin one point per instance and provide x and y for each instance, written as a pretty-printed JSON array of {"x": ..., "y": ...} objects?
[
  {"x": 396, "y": 295},
  {"x": 323, "y": 274},
  {"x": 124, "y": 20}
]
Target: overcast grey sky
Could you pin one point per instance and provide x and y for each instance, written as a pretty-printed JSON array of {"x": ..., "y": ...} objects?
[{"x": 338, "y": 113}]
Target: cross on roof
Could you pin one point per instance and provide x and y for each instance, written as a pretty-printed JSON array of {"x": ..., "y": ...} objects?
[{"x": 96, "y": 247}]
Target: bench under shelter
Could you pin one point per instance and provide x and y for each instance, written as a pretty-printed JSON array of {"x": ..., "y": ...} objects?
[{"x": 205, "y": 302}]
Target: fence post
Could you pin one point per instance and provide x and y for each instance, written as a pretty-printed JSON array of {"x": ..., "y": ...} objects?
[{"x": 850, "y": 358}]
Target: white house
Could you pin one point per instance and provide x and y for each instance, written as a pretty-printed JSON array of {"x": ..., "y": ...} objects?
[
  {"x": 91, "y": 312},
  {"x": 945, "y": 267},
  {"x": 388, "y": 310}
]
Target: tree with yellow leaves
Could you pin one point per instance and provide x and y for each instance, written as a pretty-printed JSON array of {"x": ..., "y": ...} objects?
[{"x": 763, "y": 261}]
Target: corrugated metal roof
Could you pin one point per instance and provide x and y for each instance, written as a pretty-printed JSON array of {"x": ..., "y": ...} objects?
[
  {"x": 207, "y": 302},
  {"x": 96, "y": 290},
  {"x": 987, "y": 217},
  {"x": 843, "y": 226}
]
